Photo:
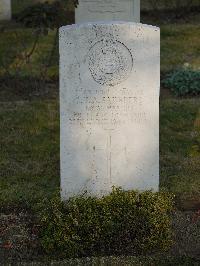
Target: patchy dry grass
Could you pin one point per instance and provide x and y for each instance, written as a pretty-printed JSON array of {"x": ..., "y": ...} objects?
[
  {"x": 125, "y": 261},
  {"x": 29, "y": 144},
  {"x": 180, "y": 150},
  {"x": 18, "y": 237},
  {"x": 14, "y": 59},
  {"x": 180, "y": 44},
  {"x": 29, "y": 154}
]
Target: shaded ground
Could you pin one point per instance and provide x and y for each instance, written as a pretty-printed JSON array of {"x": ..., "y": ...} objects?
[
  {"x": 18, "y": 237},
  {"x": 29, "y": 143},
  {"x": 180, "y": 44},
  {"x": 29, "y": 171},
  {"x": 27, "y": 89},
  {"x": 29, "y": 155},
  {"x": 20, "y": 243}
]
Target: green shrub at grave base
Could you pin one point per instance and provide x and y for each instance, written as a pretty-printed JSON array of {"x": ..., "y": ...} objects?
[
  {"x": 183, "y": 82},
  {"x": 121, "y": 223}
]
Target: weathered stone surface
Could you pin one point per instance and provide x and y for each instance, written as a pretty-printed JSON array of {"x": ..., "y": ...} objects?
[
  {"x": 109, "y": 102},
  {"x": 5, "y": 9},
  {"x": 107, "y": 10}
]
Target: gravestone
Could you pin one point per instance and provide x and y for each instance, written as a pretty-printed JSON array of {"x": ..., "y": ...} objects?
[
  {"x": 109, "y": 106},
  {"x": 5, "y": 9},
  {"x": 107, "y": 10}
]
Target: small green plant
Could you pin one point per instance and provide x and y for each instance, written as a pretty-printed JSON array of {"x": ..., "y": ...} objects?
[
  {"x": 44, "y": 16},
  {"x": 122, "y": 223},
  {"x": 183, "y": 82}
]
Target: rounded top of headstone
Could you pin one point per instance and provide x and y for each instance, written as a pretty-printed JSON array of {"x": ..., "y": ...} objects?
[{"x": 111, "y": 23}]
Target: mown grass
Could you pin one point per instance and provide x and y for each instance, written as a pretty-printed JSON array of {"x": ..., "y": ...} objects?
[
  {"x": 180, "y": 149},
  {"x": 15, "y": 47},
  {"x": 23, "y": 159},
  {"x": 29, "y": 154},
  {"x": 29, "y": 130},
  {"x": 180, "y": 45},
  {"x": 128, "y": 261}
]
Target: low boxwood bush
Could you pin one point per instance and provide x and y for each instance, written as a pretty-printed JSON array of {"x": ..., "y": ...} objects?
[
  {"x": 183, "y": 82},
  {"x": 122, "y": 223}
]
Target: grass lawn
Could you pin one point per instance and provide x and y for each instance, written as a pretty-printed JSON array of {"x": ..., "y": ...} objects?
[
  {"x": 180, "y": 150},
  {"x": 180, "y": 45},
  {"x": 29, "y": 159},
  {"x": 29, "y": 154},
  {"x": 29, "y": 172},
  {"x": 14, "y": 59},
  {"x": 29, "y": 143}
]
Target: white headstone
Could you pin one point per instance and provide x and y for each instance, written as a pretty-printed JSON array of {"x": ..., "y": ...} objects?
[
  {"x": 109, "y": 103},
  {"x": 5, "y": 9},
  {"x": 107, "y": 10}
]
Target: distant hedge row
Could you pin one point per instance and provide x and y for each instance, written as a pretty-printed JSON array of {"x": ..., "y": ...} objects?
[
  {"x": 169, "y": 4},
  {"x": 19, "y": 5}
]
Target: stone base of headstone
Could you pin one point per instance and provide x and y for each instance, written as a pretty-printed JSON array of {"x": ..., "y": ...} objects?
[
  {"x": 5, "y": 9},
  {"x": 109, "y": 106}
]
